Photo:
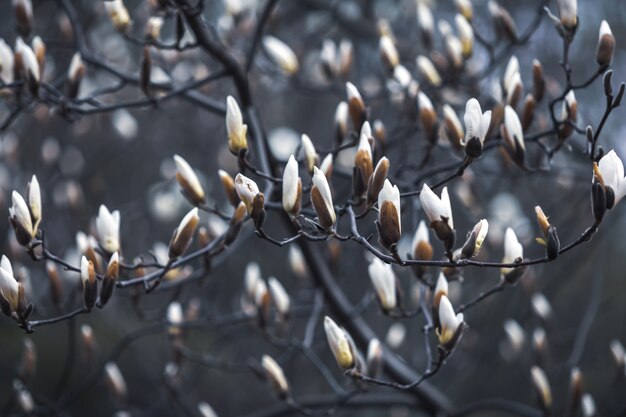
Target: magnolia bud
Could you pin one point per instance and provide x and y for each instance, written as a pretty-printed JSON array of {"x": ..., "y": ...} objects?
[
  {"x": 275, "y": 376},
  {"x": 465, "y": 8},
  {"x": 322, "y": 200},
  {"x": 542, "y": 386},
  {"x": 513, "y": 252},
  {"x": 425, "y": 21},
  {"x": 389, "y": 216},
  {"x": 374, "y": 359},
  {"x": 541, "y": 306},
  {"x": 377, "y": 180},
  {"x": 181, "y": 238},
  {"x": 450, "y": 325},
  {"x": 441, "y": 289},
  {"x": 539, "y": 85},
  {"x": 529, "y": 111},
  {"x": 453, "y": 129},
  {"x": 27, "y": 66},
  {"x": 229, "y": 187},
  {"x": 115, "y": 380},
  {"x": 20, "y": 218},
  {"x": 363, "y": 165},
  {"x": 189, "y": 182},
  {"x": 235, "y": 127},
  {"x": 339, "y": 344},
  {"x": 504, "y": 23},
  {"x": 292, "y": 187},
  {"x": 384, "y": 281},
  {"x": 153, "y": 28},
  {"x": 39, "y": 48},
  {"x": 235, "y": 223},
  {"x": 247, "y": 190},
  {"x": 466, "y": 35},
  {"x": 75, "y": 75},
  {"x": 439, "y": 212},
  {"x": 346, "y": 57},
  {"x": 388, "y": 52},
  {"x": 311, "y": 157},
  {"x": 575, "y": 389},
  {"x": 9, "y": 288},
  {"x": 281, "y": 54},
  {"x": 6, "y": 57},
  {"x": 280, "y": 298},
  {"x": 110, "y": 278},
  {"x": 356, "y": 107},
  {"x": 108, "y": 229},
  {"x": 145, "y": 71},
  {"x": 513, "y": 135},
  {"x": 427, "y": 117},
  {"x": 118, "y": 14},
  {"x": 475, "y": 240},
  {"x": 606, "y": 45},
  {"x": 428, "y": 71},
  {"x": 56, "y": 286},
  {"x": 23, "y": 10},
  {"x": 90, "y": 285},
  {"x": 421, "y": 249}
]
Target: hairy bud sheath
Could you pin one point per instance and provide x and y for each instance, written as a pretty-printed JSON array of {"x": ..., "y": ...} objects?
[
  {"x": 389, "y": 216},
  {"x": 377, "y": 180},
  {"x": 356, "y": 107},
  {"x": 75, "y": 75},
  {"x": 9, "y": 288},
  {"x": 374, "y": 358},
  {"x": 311, "y": 157},
  {"x": 90, "y": 285},
  {"x": 428, "y": 71},
  {"x": 322, "y": 200},
  {"x": 23, "y": 11},
  {"x": 551, "y": 238},
  {"x": 181, "y": 238},
  {"x": 189, "y": 182},
  {"x": 363, "y": 165},
  {"x": 228, "y": 183},
  {"x": 110, "y": 278},
  {"x": 280, "y": 298},
  {"x": 427, "y": 117},
  {"x": 26, "y": 66},
  {"x": 513, "y": 135},
  {"x": 21, "y": 219},
  {"x": 475, "y": 240},
  {"x": 606, "y": 45}
]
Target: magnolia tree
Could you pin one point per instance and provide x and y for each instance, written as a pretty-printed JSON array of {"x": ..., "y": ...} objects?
[{"x": 398, "y": 231}]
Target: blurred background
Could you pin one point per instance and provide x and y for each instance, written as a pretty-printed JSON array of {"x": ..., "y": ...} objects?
[{"x": 123, "y": 159}]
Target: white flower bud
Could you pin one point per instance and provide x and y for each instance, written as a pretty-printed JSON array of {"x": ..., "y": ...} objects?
[
  {"x": 513, "y": 249},
  {"x": 541, "y": 306},
  {"x": 19, "y": 215},
  {"x": 188, "y": 181},
  {"x": 612, "y": 171},
  {"x": 437, "y": 209},
  {"x": 275, "y": 375},
  {"x": 279, "y": 296},
  {"x": 246, "y": 190},
  {"x": 6, "y": 63},
  {"x": 384, "y": 281},
  {"x": 311, "y": 157},
  {"x": 339, "y": 344},
  {"x": 281, "y": 54},
  {"x": 108, "y": 229},
  {"x": 115, "y": 379},
  {"x": 449, "y": 323},
  {"x": 568, "y": 10},
  {"x": 184, "y": 233},
  {"x": 118, "y": 14},
  {"x": 292, "y": 187},
  {"x": 428, "y": 70},
  {"x": 389, "y": 216},
  {"x": 322, "y": 200},
  {"x": 542, "y": 386},
  {"x": 388, "y": 52},
  {"x": 235, "y": 127}
]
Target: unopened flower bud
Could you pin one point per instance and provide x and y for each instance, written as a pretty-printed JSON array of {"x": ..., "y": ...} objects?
[
  {"x": 311, "y": 157},
  {"x": 75, "y": 75},
  {"x": 23, "y": 10},
  {"x": 292, "y": 187},
  {"x": 439, "y": 212},
  {"x": 384, "y": 281},
  {"x": 356, "y": 107},
  {"x": 281, "y": 54},
  {"x": 235, "y": 127},
  {"x": 539, "y": 85},
  {"x": 428, "y": 71},
  {"x": 189, "y": 182},
  {"x": 389, "y": 216},
  {"x": 21, "y": 220},
  {"x": 363, "y": 165},
  {"x": 280, "y": 298},
  {"x": 110, "y": 278},
  {"x": 475, "y": 240},
  {"x": 322, "y": 200},
  {"x": 153, "y": 28},
  {"x": 606, "y": 45},
  {"x": 427, "y": 117},
  {"x": 374, "y": 359},
  {"x": 514, "y": 135},
  {"x": 183, "y": 234},
  {"x": 450, "y": 325},
  {"x": 275, "y": 376},
  {"x": 377, "y": 180},
  {"x": 108, "y": 229},
  {"x": 542, "y": 387},
  {"x": 339, "y": 344},
  {"x": 513, "y": 252},
  {"x": 118, "y": 14},
  {"x": 388, "y": 52},
  {"x": 228, "y": 183},
  {"x": 90, "y": 285},
  {"x": 115, "y": 380}
]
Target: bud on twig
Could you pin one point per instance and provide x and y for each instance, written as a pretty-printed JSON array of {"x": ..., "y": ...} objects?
[
  {"x": 6, "y": 57},
  {"x": 551, "y": 238},
  {"x": 476, "y": 128},
  {"x": 75, "y": 75},
  {"x": 513, "y": 252},
  {"x": 426, "y": 24},
  {"x": 514, "y": 135},
  {"x": 153, "y": 28},
  {"x": 450, "y": 325},
  {"x": 389, "y": 216},
  {"x": 539, "y": 85},
  {"x": 322, "y": 200},
  {"x": 465, "y": 8},
  {"x": 39, "y": 48},
  {"x": 475, "y": 240},
  {"x": 21, "y": 220},
  {"x": 9, "y": 288},
  {"x": 281, "y": 54},
  {"x": 363, "y": 165},
  {"x": 23, "y": 10},
  {"x": 384, "y": 281},
  {"x": 466, "y": 35},
  {"x": 606, "y": 45},
  {"x": 108, "y": 229},
  {"x": 275, "y": 376},
  {"x": 339, "y": 344},
  {"x": 292, "y": 187},
  {"x": 427, "y": 117},
  {"x": 181, "y": 238},
  {"x": 110, "y": 278},
  {"x": 115, "y": 380},
  {"x": 388, "y": 52},
  {"x": 503, "y": 22},
  {"x": 356, "y": 107},
  {"x": 237, "y": 142},
  {"x": 90, "y": 285},
  {"x": 421, "y": 249},
  {"x": 280, "y": 298},
  {"x": 377, "y": 180},
  {"x": 569, "y": 115},
  {"x": 575, "y": 389},
  {"x": 235, "y": 223},
  {"x": 542, "y": 387},
  {"x": 439, "y": 212},
  {"x": 311, "y": 157},
  {"x": 189, "y": 182},
  {"x": 428, "y": 71},
  {"x": 610, "y": 174},
  {"x": 118, "y": 14},
  {"x": 374, "y": 359},
  {"x": 26, "y": 66}
]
